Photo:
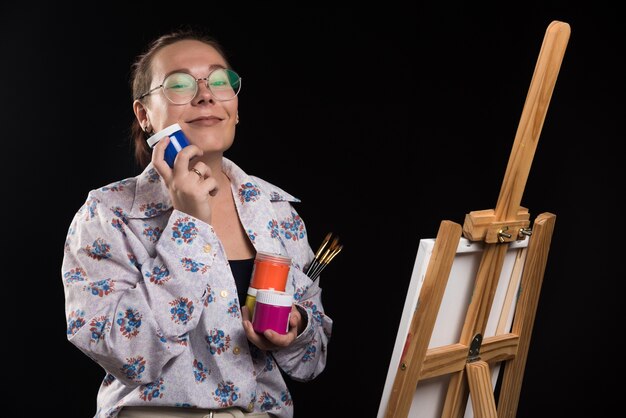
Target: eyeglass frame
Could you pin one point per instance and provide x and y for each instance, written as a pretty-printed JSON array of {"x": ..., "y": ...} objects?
[{"x": 206, "y": 83}]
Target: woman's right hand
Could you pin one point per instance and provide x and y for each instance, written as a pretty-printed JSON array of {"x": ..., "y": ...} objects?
[{"x": 190, "y": 192}]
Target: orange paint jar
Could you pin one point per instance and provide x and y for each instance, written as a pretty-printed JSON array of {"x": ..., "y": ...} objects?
[{"x": 270, "y": 271}]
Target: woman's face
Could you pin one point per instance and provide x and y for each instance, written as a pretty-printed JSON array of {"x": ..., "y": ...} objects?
[{"x": 207, "y": 123}]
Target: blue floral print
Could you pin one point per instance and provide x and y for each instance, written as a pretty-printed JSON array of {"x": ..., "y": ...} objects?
[
  {"x": 99, "y": 250},
  {"x": 181, "y": 310},
  {"x": 99, "y": 327},
  {"x": 249, "y": 192},
  {"x": 159, "y": 275},
  {"x": 200, "y": 372},
  {"x": 151, "y": 298},
  {"x": 193, "y": 266},
  {"x": 75, "y": 275},
  {"x": 184, "y": 231},
  {"x": 218, "y": 341},
  {"x": 267, "y": 401},
  {"x": 129, "y": 322},
  {"x": 134, "y": 367},
  {"x": 152, "y": 234},
  {"x": 75, "y": 321},
  {"x": 153, "y": 390},
  {"x": 293, "y": 227},
  {"x": 152, "y": 209},
  {"x": 101, "y": 287},
  {"x": 226, "y": 393}
]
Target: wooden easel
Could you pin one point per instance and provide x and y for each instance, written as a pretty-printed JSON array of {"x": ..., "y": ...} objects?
[{"x": 468, "y": 361}]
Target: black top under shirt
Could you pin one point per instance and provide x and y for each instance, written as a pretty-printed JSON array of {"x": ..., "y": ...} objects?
[{"x": 242, "y": 272}]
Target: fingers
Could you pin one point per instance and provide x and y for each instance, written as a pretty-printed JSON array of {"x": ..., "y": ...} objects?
[
  {"x": 270, "y": 339},
  {"x": 296, "y": 317},
  {"x": 203, "y": 174},
  {"x": 284, "y": 340},
  {"x": 281, "y": 340},
  {"x": 185, "y": 155},
  {"x": 189, "y": 185},
  {"x": 199, "y": 172},
  {"x": 203, "y": 171},
  {"x": 245, "y": 314},
  {"x": 158, "y": 159},
  {"x": 256, "y": 339},
  {"x": 296, "y": 321}
]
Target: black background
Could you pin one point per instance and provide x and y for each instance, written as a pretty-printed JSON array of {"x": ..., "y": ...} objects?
[{"x": 380, "y": 163}]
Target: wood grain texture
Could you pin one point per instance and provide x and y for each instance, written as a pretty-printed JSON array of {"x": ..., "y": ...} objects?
[
  {"x": 417, "y": 361},
  {"x": 481, "y": 225},
  {"x": 453, "y": 357},
  {"x": 423, "y": 321},
  {"x": 481, "y": 391},
  {"x": 476, "y": 321},
  {"x": 512, "y": 290},
  {"x": 532, "y": 279},
  {"x": 532, "y": 119}
]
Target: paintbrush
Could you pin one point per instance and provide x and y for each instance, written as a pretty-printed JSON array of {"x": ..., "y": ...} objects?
[
  {"x": 323, "y": 257},
  {"x": 325, "y": 262},
  {"x": 318, "y": 254},
  {"x": 322, "y": 260}
]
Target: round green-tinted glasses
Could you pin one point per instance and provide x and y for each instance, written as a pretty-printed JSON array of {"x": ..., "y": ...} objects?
[{"x": 181, "y": 88}]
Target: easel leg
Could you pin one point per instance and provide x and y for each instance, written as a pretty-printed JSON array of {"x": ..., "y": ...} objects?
[
  {"x": 481, "y": 391},
  {"x": 525, "y": 311},
  {"x": 424, "y": 319},
  {"x": 456, "y": 397},
  {"x": 475, "y": 322}
]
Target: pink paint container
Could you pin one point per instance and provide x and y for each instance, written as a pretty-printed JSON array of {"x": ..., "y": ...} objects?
[{"x": 272, "y": 311}]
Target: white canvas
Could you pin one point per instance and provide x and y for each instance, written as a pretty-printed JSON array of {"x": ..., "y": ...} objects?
[{"x": 430, "y": 393}]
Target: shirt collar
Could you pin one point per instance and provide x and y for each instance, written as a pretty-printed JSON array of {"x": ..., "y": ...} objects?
[
  {"x": 253, "y": 199},
  {"x": 151, "y": 196}
]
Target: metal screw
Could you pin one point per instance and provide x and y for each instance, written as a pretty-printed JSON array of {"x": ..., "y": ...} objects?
[
  {"x": 502, "y": 234},
  {"x": 526, "y": 232}
]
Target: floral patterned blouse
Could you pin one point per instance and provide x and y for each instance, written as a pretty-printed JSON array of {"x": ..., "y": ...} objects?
[{"x": 150, "y": 297}]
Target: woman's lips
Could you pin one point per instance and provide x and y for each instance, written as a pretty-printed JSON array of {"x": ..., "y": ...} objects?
[{"x": 205, "y": 121}]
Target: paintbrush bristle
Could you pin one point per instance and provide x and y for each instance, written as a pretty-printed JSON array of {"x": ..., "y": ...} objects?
[
  {"x": 324, "y": 243},
  {"x": 325, "y": 253}
]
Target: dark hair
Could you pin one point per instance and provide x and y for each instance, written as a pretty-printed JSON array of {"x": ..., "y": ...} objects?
[{"x": 141, "y": 80}]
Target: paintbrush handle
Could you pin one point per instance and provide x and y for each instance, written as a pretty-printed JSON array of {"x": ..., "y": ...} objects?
[
  {"x": 323, "y": 256},
  {"x": 317, "y": 274},
  {"x": 312, "y": 267},
  {"x": 314, "y": 271}
]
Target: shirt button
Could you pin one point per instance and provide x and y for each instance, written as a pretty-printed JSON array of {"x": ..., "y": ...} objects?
[
  {"x": 207, "y": 248},
  {"x": 224, "y": 293},
  {"x": 236, "y": 351}
]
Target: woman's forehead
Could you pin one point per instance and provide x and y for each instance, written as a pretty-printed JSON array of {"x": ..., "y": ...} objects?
[{"x": 189, "y": 55}]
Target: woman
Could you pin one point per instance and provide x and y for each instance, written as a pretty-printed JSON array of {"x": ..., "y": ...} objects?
[{"x": 155, "y": 267}]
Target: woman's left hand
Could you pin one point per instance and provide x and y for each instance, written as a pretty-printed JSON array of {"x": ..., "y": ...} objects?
[{"x": 270, "y": 339}]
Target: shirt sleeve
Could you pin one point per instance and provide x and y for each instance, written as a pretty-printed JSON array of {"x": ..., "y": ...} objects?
[
  {"x": 306, "y": 357},
  {"x": 126, "y": 309}
]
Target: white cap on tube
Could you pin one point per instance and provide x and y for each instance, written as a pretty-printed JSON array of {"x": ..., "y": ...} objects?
[{"x": 162, "y": 134}]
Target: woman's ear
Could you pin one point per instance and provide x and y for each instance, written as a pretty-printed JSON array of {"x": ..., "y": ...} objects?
[{"x": 141, "y": 114}]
